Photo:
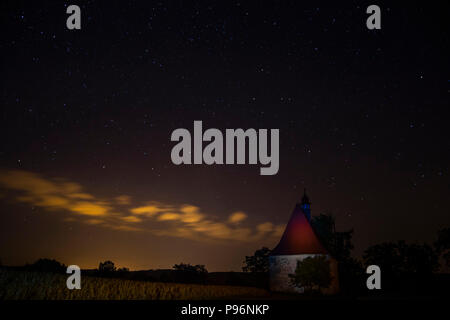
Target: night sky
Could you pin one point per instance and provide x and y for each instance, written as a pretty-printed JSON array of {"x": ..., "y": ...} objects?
[{"x": 86, "y": 118}]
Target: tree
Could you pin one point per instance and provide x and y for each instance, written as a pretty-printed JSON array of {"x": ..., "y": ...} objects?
[
  {"x": 187, "y": 273},
  {"x": 312, "y": 273},
  {"x": 442, "y": 245},
  {"x": 338, "y": 244},
  {"x": 106, "y": 267},
  {"x": 404, "y": 267},
  {"x": 259, "y": 262},
  {"x": 186, "y": 267},
  {"x": 400, "y": 258},
  {"x": 47, "y": 265}
]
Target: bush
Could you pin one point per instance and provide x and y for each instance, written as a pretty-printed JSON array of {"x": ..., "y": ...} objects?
[
  {"x": 312, "y": 273},
  {"x": 106, "y": 268},
  {"x": 259, "y": 262},
  {"x": 187, "y": 273},
  {"x": 47, "y": 265}
]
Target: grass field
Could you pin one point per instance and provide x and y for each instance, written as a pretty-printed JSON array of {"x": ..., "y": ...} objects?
[{"x": 22, "y": 285}]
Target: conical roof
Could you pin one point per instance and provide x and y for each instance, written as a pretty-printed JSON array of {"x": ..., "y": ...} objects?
[{"x": 298, "y": 237}]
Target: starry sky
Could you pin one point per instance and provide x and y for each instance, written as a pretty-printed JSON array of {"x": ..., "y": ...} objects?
[{"x": 86, "y": 118}]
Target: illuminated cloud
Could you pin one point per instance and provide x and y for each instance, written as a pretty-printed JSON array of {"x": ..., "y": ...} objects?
[
  {"x": 168, "y": 216},
  {"x": 51, "y": 201},
  {"x": 94, "y": 221},
  {"x": 265, "y": 227},
  {"x": 89, "y": 208},
  {"x": 120, "y": 213},
  {"x": 237, "y": 217},
  {"x": 189, "y": 209},
  {"x": 131, "y": 219},
  {"x": 191, "y": 217},
  {"x": 151, "y": 209},
  {"x": 124, "y": 227},
  {"x": 123, "y": 199},
  {"x": 53, "y": 194}
]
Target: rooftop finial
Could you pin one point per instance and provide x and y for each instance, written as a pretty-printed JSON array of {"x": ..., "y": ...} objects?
[{"x": 305, "y": 198}]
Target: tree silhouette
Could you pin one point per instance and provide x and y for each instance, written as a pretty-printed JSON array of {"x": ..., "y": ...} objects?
[
  {"x": 106, "y": 267},
  {"x": 397, "y": 258},
  {"x": 187, "y": 273},
  {"x": 198, "y": 268},
  {"x": 47, "y": 265},
  {"x": 340, "y": 246},
  {"x": 442, "y": 245},
  {"x": 259, "y": 262},
  {"x": 312, "y": 273}
]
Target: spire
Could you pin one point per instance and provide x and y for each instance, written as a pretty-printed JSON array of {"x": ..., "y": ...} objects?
[
  {"x": 305, "y": 198},
  {"x": 306, "y": 205}
]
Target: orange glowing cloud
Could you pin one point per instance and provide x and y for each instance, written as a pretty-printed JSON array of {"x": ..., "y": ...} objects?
[
  {"x": 83, "y": 196},
  {"x": 120, "y": 213},
  {"x": 168, "y": 216},
  {"x": 89, "y": 208},
  {"x": 123, "y": 199},
  {"x": 94, "y": 221},
  {"x": 131, "y": 219},
  {"x": 237, "y": 217},
  {"x": 151, "y": 209},
  {"x": 53, "y": 194}
]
